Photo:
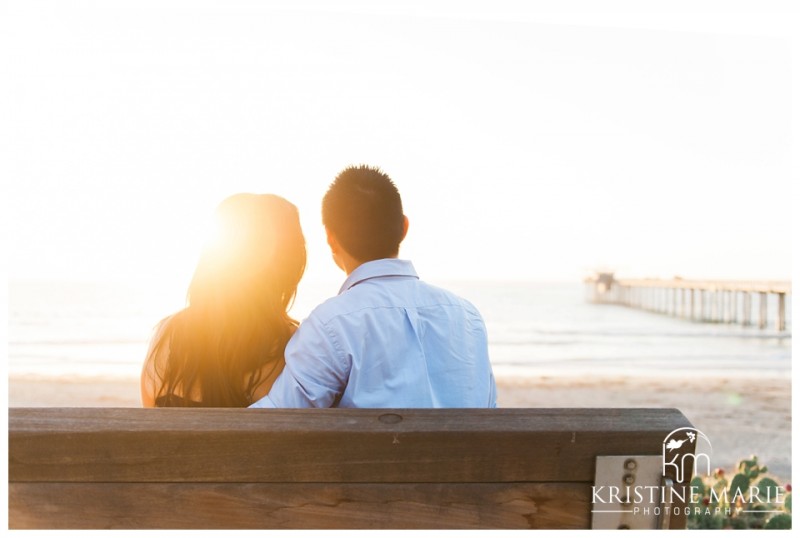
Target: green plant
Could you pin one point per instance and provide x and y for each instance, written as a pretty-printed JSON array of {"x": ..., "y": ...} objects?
[{"x": 750, "y": 500}]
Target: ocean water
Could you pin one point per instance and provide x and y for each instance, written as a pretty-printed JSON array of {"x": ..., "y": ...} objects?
[{"x": 103, "y": 329}]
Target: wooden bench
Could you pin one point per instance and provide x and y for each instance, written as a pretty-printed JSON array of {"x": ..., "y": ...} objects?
[{"x": 321, "y": 469}]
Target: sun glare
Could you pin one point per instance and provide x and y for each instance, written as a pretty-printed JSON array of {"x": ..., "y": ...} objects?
[
  {"x": 537, "y": 128},
  {"x": 215, "y": 233}
]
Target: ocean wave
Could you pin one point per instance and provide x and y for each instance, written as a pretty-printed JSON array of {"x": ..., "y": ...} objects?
[{"x": 608, "y": 339}]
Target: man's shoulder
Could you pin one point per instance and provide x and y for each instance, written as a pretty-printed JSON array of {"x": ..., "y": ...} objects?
[
  {"x": 362, "y": 299},
  {"x": 366, "y": 297},
  {"x": 440, "y": 295},
  {"x": 336, "y": 306}
]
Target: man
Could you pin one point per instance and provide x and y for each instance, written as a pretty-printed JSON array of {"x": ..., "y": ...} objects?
[{"x": 387, "y": 339}]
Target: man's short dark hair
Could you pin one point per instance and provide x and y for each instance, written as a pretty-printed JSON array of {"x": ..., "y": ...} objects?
[{"x": 363, "y": 210}]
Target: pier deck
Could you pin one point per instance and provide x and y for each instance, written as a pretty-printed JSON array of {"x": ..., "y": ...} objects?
[{"x": 712, "y": 301}]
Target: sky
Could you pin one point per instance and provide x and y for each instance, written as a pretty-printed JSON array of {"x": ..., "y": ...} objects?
[{"x": 527, "y": 143}]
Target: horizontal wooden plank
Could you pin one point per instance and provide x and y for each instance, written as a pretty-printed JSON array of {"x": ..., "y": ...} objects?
[
  {"x": 299, "y": 506},
  {"x": 339, "y": 445},
  {"x": 107, "y": 419}
]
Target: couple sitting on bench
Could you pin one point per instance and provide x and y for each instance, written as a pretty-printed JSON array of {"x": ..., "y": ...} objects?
[{"x": 386, "y": 340}]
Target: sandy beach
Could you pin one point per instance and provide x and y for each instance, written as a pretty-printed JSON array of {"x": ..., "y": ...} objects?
[{"x": 740, "y": 416}]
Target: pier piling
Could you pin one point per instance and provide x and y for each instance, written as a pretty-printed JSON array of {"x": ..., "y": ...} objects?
[{"x": 704, "y": 301}]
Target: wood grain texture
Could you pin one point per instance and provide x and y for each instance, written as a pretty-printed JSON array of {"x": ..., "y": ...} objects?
[
  {"x": 299, "y": 506},
  {"x": 339, "y": 445},
  {"x": 81, "y": 419},
  {"x": 318, "y": 469}
]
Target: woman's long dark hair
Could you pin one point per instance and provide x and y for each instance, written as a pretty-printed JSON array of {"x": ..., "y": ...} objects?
[{"x": 232, "y": 334}]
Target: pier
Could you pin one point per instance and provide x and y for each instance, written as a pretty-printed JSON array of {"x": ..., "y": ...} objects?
[{"x": 741, "y": 302}]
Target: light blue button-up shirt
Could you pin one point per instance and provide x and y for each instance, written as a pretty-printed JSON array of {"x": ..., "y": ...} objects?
[{"x": 387, "y": 340}]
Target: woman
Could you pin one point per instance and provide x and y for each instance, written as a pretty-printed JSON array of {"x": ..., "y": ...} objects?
[{"x": 225, "y": 349}]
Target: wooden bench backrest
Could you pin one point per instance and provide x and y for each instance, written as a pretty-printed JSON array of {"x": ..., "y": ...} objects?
[{"x": 318, "y": 469}]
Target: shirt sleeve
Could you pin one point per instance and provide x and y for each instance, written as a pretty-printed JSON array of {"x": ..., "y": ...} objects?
[{"x": 316, "y": 369}]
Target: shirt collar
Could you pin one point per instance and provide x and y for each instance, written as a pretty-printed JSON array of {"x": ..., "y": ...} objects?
[{"x": 386, "y": 267}]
